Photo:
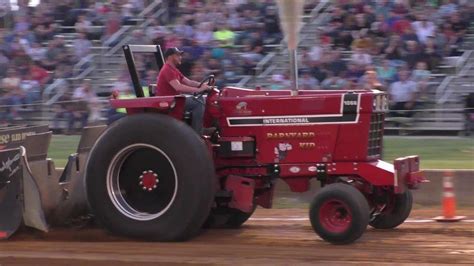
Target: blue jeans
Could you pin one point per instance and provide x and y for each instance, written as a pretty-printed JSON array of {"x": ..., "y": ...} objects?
[{"x": 196, "y": 106}]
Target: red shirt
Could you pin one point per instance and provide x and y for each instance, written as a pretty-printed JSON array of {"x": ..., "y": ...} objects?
[
  {"x": 401, "y": 25},
  {"x": 39, "y": 74},
  {"x": 167, "y": 74}
]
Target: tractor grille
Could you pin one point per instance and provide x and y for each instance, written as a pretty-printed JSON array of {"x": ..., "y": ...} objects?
[{"x": 375, "y": 134}]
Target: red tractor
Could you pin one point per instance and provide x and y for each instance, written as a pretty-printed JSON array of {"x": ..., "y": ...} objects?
[{"x": 151, "y": 176}]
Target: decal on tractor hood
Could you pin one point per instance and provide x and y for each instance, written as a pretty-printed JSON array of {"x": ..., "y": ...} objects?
[{"x": 349, "y": 114}]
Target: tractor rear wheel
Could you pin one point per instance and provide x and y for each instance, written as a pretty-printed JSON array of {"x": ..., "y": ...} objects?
[
  {"x": 398, "y": 210},
  {"x": 339, "y": 213},
  {"x": 151, "y": 176}
]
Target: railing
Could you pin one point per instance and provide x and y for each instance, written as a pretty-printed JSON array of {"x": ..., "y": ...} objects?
[
  {"x": 148, "y": 19},
  {"x": 318, "y": 9},
  {"x": 119, "y": 34},
  {"x": 263, "y": 63},
  {"x": 243, "y": 81},
  {"x": 462, "y": 61},
  {"x": 444, "y": 92},
  {"x": 114, "y": 37},
  {"x": 78, "y": 67},
  {"x": 127, "y": 39}
]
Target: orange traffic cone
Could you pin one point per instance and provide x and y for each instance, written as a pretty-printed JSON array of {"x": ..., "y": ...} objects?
[{"x": 449, "y": 201}]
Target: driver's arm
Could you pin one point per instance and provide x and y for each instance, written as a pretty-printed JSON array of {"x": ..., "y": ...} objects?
[
  {"x": 191, "y": 83},
  {"x": 185, "y": 88}
]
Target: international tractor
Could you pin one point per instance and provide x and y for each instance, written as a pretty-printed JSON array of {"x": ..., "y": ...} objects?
[{"x": 151, "y": 176}]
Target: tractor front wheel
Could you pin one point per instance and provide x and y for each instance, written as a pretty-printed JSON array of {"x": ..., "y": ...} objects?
[
  {"x": 151, "y": 176},
  {"x": 339, "y": 213},
  {"x": 398, "y": 209}
]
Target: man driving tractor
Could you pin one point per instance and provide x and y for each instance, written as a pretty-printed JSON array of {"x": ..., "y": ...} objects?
[{"x": 172, "y": 82}]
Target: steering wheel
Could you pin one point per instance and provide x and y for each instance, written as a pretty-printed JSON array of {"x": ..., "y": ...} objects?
[{"x": 211, "y": 80}]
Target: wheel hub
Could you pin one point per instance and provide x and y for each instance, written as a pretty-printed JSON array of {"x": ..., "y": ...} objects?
[
  {"x": 149, "y": 180},
  {"x": 335, "y": 216}
]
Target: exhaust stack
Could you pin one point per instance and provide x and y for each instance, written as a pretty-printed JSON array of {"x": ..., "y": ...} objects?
[{"x": 290, "y": 12}]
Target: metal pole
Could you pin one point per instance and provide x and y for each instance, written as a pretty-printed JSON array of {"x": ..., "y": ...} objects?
[
  {"x": 133, "y": 72},
  {"x": 290, "y": 12},
  {"x": 294, "y": 71}
]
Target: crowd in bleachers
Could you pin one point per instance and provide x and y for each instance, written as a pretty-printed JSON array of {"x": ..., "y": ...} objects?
[
  {"x": 226, "y": 40},
  {"x": 34, "y": 53},
  {"x": 393, "y": 45}
]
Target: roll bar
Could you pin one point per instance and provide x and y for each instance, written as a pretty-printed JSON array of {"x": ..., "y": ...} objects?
[{"x": 128, "y": 51}]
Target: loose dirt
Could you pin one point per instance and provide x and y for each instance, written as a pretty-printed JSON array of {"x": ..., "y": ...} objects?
[{"x": 275, "y": 237}]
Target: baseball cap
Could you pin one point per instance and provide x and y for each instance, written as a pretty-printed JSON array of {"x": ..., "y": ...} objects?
[{"x": 172, "y": 51}]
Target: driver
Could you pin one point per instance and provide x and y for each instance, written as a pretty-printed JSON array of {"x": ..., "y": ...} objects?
[{"x": 172, "y": 82}]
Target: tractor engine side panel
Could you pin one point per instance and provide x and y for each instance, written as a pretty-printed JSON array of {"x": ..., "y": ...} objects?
[{"x": 300, "y": 129}]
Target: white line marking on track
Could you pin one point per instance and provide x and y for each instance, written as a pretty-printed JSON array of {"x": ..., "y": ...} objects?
[
  {"x": 307, "y": 219},
  {"x": 280, "y": 219}
]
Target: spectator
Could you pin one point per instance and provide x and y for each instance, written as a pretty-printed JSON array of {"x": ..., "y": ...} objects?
[
  {"x": 30, "y": 89},
  {"x": 318, "y": 72},
  {"x": 82, "y": 47},
  {"x": 113, "y": 20},
  {"x": 402, "y": 24},
  {"x": 224, "y": 35},
  {"x": 370, "y": 81},
  {"x": 459, "y": 28},
  {"x": 11, "y": 93},
  {"x": 204, "y": 35},
  {"x": 56, "y": 54},
  {"x": 424, "y": 28},
  {"x": 280, "y": 82},
  {"x": 76, "y": 110},
  {"x": 315, "y": 53},
  {"x": 83, "y": 24},
  {"x": 409, "y": 35},
  {"x": 383, "y": 8},
  {"x": 37, "y": 52},
  {"x": 272, "y": 25},
  {"x": 421, "y": 75},
  {"x": 412, "y": 55},
  {"x": 250, "y": 58},
  {"x": 4, "y": 61},
  {"x": 334, "y": 82},
  {"x": 354, "y": 73},
  {"x": 386, "y": 73},
  {"x": 184, "y": 27},
  {"x": 336, "y": 64},
  {"x": 361, "y": 58},
  {"x": 45, "y": 28},
  {"x": 38, "y": 73},
  {"x": 430, "y": 54},
  {"x": 447, "y": 8},
  {"x": 307, "y": 81},
  {"x": 403, "y": 95}
]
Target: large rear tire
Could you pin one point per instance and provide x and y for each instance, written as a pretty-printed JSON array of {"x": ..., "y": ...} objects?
[
  {"x": 151, "y": 176},
  {"x": 398, "y": 211},
  {"x": 339, "y": 213}
]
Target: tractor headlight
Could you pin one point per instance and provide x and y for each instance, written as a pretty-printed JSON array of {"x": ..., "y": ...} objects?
[
  {"x": 380, "y": 103},
  {"x": 385, "y": 103}
]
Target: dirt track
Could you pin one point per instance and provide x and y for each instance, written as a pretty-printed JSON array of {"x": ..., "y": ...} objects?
[{"x": 287, "y": 238}]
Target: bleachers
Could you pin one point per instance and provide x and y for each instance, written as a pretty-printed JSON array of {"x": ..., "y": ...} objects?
[{"x": 455, "y": 75}]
